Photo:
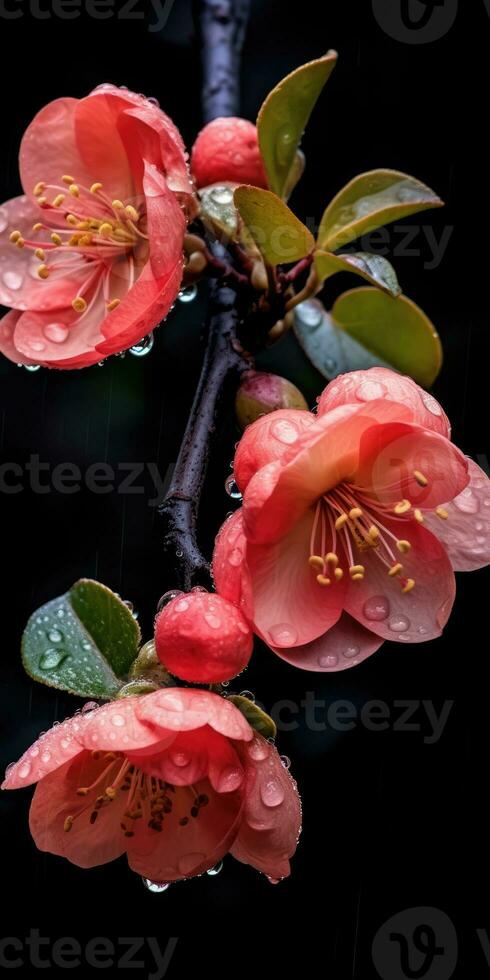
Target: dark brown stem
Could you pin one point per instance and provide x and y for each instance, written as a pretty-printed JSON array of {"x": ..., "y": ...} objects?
[{"x": 222, "y": 25}]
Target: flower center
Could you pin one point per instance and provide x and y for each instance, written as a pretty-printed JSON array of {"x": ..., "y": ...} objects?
[
  {"x": 352, "y": 517},
  {"x": 99, "y": 232},
  {"x": 147, "y": 798}
]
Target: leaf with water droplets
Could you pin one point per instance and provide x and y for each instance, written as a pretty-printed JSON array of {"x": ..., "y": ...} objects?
[
  {"x": 376, "y": 269},
  {"x": 370, "y": 201},
  {"x": 284, "y": 115},
  {"x": 330, "y": 350},
  {"x": 259, "y": 720},
  {"x": 395, "y": 331},
  {"x": 277, "y": 232},
  {"x": 83, "y": 642}
]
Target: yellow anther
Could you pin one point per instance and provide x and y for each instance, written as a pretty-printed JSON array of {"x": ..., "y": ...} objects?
[
  {"x": 43, "y": 272},
  {"x": 442, "y": 513},
  {"x": 132, "y": 213},
  {"x": 58, "y": 200},
  {"x": 356, "y": 570},
  {"x": 83, "y": 225},
  {"x": 354, "y": 513},
  {"x": 38, "y": 226},
  {"x": 82, "y": 791},
  {"x": 332, "y": 559},
  {"x": 39, "y": 188},
  {"x": 118, "y": 205},
  {"x": 403, "y": 546},
  {"x": 314, "y": 560},
  {"x": 322, "y": 580},
  {"x": 374, "y": 532},
  {"x": 339, "y": 523},
  {"x": 95, "y": 187},
  {"x": 56, "y": 239},
  {"x": 74, "y": 190},
  {"x": 68, "y": 824},
  {"x": 395, "y": 569},
  {"x": 357, "y": 577},
  {"x": 79, "y": 304},
  {"x": 42, "y": 200},
  {"x": 402, "y": 507},
  {"x": 40, "y": 254},
  {"x": 14, "y": 237},
  {"x": 110, "y": 792},
  {"x": 71, "y": 219},
  {"x": 112, "y": 306},
  {"x": 338, "y": 574},
  {"x": 20, "y": 242},
  {"x": 67, "y": 179},
  {"x": 106, "y": 230},
  {"x": 94, "y": 224},
  {"x": 74, "y": 241},
  {"x": 420, "y": 478},
  {"x": 418, "y": 515},
  {"x": 85, "y": 240},
  {"x": 409, "y": 585}
]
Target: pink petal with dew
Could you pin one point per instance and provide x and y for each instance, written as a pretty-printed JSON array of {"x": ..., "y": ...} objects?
[
  {"x": 344, "y": 645},
  {"x": 267, "y": 440},
  {"x": 185, "y": 709},
  {"x": 466, "y": 532}
]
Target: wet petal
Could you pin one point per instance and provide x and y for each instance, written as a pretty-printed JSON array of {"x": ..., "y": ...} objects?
[
  {"x": 466, "y": 532},
  {"x": 344, "y": 645}
]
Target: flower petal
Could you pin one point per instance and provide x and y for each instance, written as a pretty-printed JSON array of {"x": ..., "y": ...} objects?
[
  {"x": 8, "y": 324},
  {"x": 267, "y": 440},
  {"x": 466, "y": 533},
  {"x": 379, "y": 604},
  {"x": 271, "y": 826},
  {"x": 344, "y": 645},
  {"x": 184, "y": 709},
  {"x": 378, "y": 382},
  {"x": 290, "y": 608},
  {"x": 50, "y": 752}
]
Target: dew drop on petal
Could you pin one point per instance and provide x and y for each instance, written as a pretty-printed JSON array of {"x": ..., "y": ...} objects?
[
  {"x": 232, "y": 489},
  {"x": 32, "y": 367},
  {"x": 56, "y": 332},
  {"x": 182, "y": 605},
  {"x": 13, "y": 280},
  {"x": 351, "y": 652},
  {"x": 167, "y": 597},
  {"x": 467, "y": 502},
  {"x": 257, "y": 750},
  {"x": 118, "y": 720},
  {"x": 271, "y": 793},
  {"x": 157, "y": 887},
  {"x": 213, "y": 621},
  {"x": 3, "y": 219},
  {"x": 377, "y": 608},
  {"x": 283, "y": 635},
  {"x": 430, "y": 403},
  {"x": 188, "y": 294},
  {"x": 285, "y": 432},
  {"x": 143, "y": 347},
  {"x": 180, "y": 759},
  {"x": 399, "y": 624},
  {"x": 235, "y": 557},
  {"x": 331, "y": 660},
  {"x": 24, "y": 770},
  {"x": 215, "y": 870},
  {"x": 369, "y": 390}
]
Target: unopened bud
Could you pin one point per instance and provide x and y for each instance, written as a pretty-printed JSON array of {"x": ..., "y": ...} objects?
[
  {"x": 258, "y": 277},
  {"x": 261, "y": 393},
  {"x": 196, "y": 264}
]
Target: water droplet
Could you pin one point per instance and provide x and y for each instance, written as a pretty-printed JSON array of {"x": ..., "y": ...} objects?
[
  {"x": 377, "y": 608},
  {"x": 229, "y": 779},
  {"x": 24, "y": 770},
  {"x": 144, "y": 346},
  {"x": 167, "y": 597},
  {"x": 271, "y": 793},
  {"x": 329, "y": 661},
  {"x": 235, "y": 557},
  {"x": 430, "y": 403},
  {"x": 52, "y": 658},
  {"x": 351, "y": 652},
  {"x": 222, "y": 195},
  {"x": 13, "y": 280},
  {"x": 55, "y": 636},
  {"x": 37, "y": 346},
  {"x": 283, "y": 635},
  {"x": 157, "y": 887},
  {"x": 153, "y": 101},
  {"x": 118, "y": 721},
  {"x": 310, "y": 314},
  {"x": 32, "y": 367},
  {"x": 285, "y": 432},
  {"x": 248, "y": 695},
  {"x": 399, "y": 624},
  {"x": 4, "y": 220},
  {"x": 216, "y": 870},
  {"x": 182, "y": 605},
  {"x": 232, "y": 489},
  {"x": 180, "y": 759},
  {"x": 467, "y": 502},
  {"x": 257, "y": 750},
  {"x": 56, "y": 332},
  {"x": 88, "y": 707},
  {"x": 188, "y": 294},
  {"x": 286, "y": 761},
  {"x": 213, "y": 621},
  {"x": 370, "y": 390}
]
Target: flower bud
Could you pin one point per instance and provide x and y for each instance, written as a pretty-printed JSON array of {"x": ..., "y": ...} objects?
[
  {"x": 261, "y": 393},
  {"x": 202, "y": 638},
  {"x": 228, "y": 149}
]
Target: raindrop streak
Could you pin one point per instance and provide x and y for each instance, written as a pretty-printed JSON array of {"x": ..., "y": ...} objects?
[
  {"x": 232, "y": 489},
  {"x": 52, "y": 658},
  {"x": 157, "y": 887},
  {"x": 188, "y": 294},
  {"x": 216, "y": 870},
  {"x": 167, "y": 597},
  {"x": 144, "y": 347}
]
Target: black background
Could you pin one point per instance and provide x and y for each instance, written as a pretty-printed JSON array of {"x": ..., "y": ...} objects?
[{"x": 390, "y": 822}]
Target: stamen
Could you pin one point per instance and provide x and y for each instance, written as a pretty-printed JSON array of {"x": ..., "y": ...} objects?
[
  {"x": 132, "y": 212},
  {"x": 315, "y": 561},
  {"x": 95, "y": 188},
  {"x": 395, "y": 570},
  {"x": 420, "y": 478},
  {"x": 39, "y": 188},
  {"x": 71, "y": 219},
  {"x": 418, "y": 515},
  {"x": 332, "y": 559},
  {"x": 356, "y": 572},
  {"x": 403, "y": 546},
  {"x": 40, "y": 254},
  {"x": 402, "y": 507},
  {"x": 43, "y": 272},
  {"x": 74, "y": 190},
  {"x": 68, "y": 824},
  {"x": 323, "y": 580},
  {"x": 339, "y": 523},
  {"x": 338, "y": 573},
  {"x": 20, "y": 242},
  {"x": 14, "y": 237},
  {"x": 68, "y": 180},
  {"x": 37, "y": 227},
  {"x": 118, "y": 205},
  {"x": 79, "y": 304},
  {"x": 56, "y": 239},
  {"x": 354, "y": 513},
  {"x": 106, "y": 230},
  {"x": 442, "y": 513},
  {"x": 409, "y": 585},
  {"x": 58, "y": 200},
  {"x": 112, "y": 306}
]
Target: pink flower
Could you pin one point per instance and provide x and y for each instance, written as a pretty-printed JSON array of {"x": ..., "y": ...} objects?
[
  {"x": 175, "y": 779},
  {"x": 352, "y": 522},
  {"x": 228, "y": 150},
  {"x": 203, "y": 638},
  {"x": 92, "y": 253}
]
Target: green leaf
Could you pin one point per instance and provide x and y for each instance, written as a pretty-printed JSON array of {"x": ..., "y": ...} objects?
[
  {"x": 284, "y": 115},
  {"x": 83, "y": 642},
  {"x": 395, "y": 330},
  {"x": 370, "y": 201},
  {"x": 374, "y": 268},
  {"x": 330, "y": 350},
  {"x": 279, "y": 235},
  {"x": 257, "y": 719}
]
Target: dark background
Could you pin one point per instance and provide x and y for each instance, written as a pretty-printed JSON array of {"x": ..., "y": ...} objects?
[{"x": 390, "y": 822}]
